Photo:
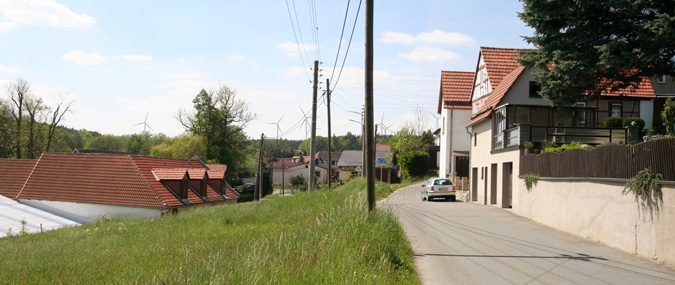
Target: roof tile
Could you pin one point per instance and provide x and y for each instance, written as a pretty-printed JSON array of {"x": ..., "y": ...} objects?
[
  {"x": 13, "y": 175},
  {"x": 455, "y": 90}
]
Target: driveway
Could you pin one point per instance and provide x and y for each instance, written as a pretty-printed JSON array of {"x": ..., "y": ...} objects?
[{"x": 468, "y": 243}]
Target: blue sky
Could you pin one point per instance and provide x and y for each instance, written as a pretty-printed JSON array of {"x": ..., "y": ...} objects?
[{"x": 118, "y": 60}]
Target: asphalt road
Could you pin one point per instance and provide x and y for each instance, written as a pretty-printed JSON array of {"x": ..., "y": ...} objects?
[{"x": 467, "y": 243}]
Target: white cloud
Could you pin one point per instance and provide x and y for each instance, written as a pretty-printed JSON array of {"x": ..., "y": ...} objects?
[
  {"x": 435, "y": 37},
  {"x": 237, "y": 57},
  {"x": 41, "y": 13},
  {"x": 295, "y": 72},
  {"x": 138, "y": 58},
  {"x": 428, "y": 54},
  {"x": 8, "y": 69},
  {"x": 185, "y": 74},
  {"x": 6, "y": 26},
  {"x": 291, "y": 48},
  {"x": 83, "y": 57}
]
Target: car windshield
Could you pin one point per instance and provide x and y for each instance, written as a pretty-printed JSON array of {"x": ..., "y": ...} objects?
[{"x": 443, "y": 182}]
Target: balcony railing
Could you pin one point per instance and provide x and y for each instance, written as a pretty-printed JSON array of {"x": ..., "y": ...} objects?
[{"x": 542, "y": 135}]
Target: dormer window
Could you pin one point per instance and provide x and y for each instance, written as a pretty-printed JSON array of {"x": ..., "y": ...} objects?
[{"x": 662, "y": 79}]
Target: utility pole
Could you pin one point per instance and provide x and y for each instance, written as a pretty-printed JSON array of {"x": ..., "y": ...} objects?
[
  {"x": 283, "y": 182},
  {"x": 370, "y": 146},
  {"x": 312, "y": 144},
  {"x": 257, "y": 195},
  {"x": 330, "y": 137}
]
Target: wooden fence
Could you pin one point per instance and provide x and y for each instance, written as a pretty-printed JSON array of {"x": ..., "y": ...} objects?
[{"x": 609, "y": 161}]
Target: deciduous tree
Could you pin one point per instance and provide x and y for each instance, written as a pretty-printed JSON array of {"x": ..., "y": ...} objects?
[{"x": 220, "y": 117}]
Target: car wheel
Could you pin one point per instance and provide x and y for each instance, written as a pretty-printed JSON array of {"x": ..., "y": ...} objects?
[{"x": 453, "y": 198}]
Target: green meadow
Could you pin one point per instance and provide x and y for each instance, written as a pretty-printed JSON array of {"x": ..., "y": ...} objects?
[{"x": 326, "y": 236}]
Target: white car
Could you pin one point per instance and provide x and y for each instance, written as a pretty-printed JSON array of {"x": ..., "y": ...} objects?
[{"x": 438, "y": 188}]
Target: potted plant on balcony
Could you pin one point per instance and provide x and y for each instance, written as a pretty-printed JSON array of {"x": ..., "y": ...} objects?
[{"x": 529, "y": 147}]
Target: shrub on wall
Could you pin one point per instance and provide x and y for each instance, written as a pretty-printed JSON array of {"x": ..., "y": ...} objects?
[
  {"x": 645, "y": 185},
  {"x": 613, "y": 122},
  {"x": 638, "y": 122}
]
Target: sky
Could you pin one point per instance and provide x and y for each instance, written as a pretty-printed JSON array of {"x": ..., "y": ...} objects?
[{"x": 118, "y": 61}]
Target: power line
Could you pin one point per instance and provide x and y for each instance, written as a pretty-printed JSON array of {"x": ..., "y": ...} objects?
[
  {"x": 337, "y": 55},
  {"x": 315, "y": 28},
  {"x": 348, "y": 44},
  {"x": 296, "y": 39}
]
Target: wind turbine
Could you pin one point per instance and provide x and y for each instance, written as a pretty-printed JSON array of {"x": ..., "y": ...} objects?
[
  {"x": 278, "y": 130},
  {"x": 277, "y": 123},
  {"x": 145, "y": 122},
  {"x": 384, "y": 127},
  {"x": 306, "y": 122}
]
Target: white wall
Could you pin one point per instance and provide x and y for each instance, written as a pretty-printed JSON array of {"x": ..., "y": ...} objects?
[
  {"x": 647, "y": 112},
  {"x": 454, "y": 137},
  {"x": 482, "y": 157},
  {"x": 89, "y": 213},
  {"x": 598, "y": 211}
]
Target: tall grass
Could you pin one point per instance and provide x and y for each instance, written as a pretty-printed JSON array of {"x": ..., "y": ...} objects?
[{"x": 320, "y": 237}]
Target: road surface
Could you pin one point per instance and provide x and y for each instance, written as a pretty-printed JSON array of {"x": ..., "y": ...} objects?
[{"x": 468, "y": 243}]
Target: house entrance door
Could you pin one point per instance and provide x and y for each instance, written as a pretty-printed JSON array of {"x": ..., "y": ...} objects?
[{"x": 507, "y": 185}]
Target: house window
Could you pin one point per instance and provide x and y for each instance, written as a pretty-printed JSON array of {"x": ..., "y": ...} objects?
[
  {"x": 498, "y": 127},
  {"x": 534, "y": 90},
  {"x": 662, "y": 79},
  {"x": 615, "y": 110}
]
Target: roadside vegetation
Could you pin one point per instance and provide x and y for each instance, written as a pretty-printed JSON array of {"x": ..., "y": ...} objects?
[{"x": 318, "y": 237}]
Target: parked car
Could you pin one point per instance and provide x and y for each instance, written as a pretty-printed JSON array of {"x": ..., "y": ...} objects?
[{"x": 438, "y": 188}]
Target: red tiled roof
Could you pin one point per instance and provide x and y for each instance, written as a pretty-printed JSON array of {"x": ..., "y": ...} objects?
[
  {"x": 499, "y": 62},
  {"x": 497, "y": 94},
  {"x": 455, "y": 90},
  {"x": 170, "y": 173},
  {"x": 13, "y": 174},
  {"x": 89, "y": 178},
  {"x": 643, "y": 90},
  {"x": 196, "y": 173},
  {"x": 382, "y": 147},
  {"x": 217, "y": 171},
  {"x": 146, "y": 164}
]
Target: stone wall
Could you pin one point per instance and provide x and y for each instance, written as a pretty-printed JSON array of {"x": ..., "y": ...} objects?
[{"x": 596, "y": 209}]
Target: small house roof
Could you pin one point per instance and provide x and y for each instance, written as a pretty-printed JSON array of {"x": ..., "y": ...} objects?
[
  {"x": 455, "y": 91},
  {"x": 13, "y": 174}
]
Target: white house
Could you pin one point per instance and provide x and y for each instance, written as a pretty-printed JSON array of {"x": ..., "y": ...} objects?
[
  {"x": 508, "y": 111},
  {"x": 454, "y": 106}
]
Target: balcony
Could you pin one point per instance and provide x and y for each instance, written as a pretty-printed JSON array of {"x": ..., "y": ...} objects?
[{"x": 542, "y": 135}]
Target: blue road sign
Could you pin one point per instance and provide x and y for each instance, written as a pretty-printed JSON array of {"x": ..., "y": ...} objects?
[{"x": 381, "y": 160}]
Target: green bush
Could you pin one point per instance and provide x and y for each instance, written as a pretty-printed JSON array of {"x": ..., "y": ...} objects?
[
  {"x": 638, "y": 121},
  {"x": 528, "y": 145},
  {"x": 415, "y": 164},
  {"x": 572, "y": 145},
  {"x": 613, "y": 122}
]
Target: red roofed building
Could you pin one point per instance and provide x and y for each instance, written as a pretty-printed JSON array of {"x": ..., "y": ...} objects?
[
  {"x": 454, "y": 106},
  {"x": 507, "y": 111},
  {"x": 85, "y": 187}
]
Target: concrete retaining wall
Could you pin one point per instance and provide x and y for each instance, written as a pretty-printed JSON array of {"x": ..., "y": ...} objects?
[{"x": 596, "y": 209}]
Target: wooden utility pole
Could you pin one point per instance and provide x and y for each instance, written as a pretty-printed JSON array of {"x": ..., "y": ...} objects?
[
  {"x": 330, "y": 137},
  {"x": 370, "y": 146},
  {"x": 312, "y": 144},
  {"x": 283, "y": 182},
  {"x": 257, "y": 195}
]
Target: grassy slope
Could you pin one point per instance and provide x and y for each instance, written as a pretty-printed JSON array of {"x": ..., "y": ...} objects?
[{"x": 322, "y": 237}]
